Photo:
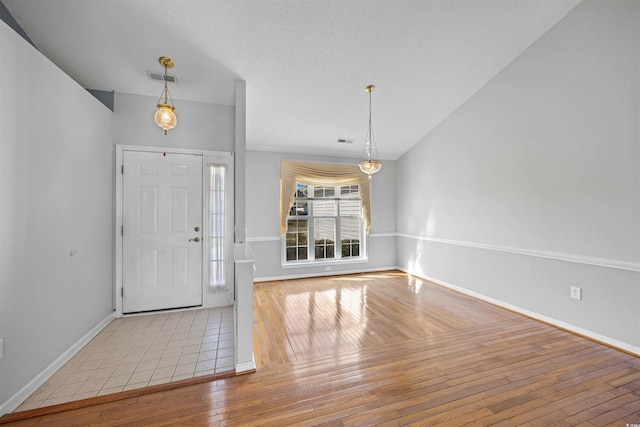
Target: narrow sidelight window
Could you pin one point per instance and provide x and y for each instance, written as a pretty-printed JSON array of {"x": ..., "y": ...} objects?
[{"x": 217, "y": 221}]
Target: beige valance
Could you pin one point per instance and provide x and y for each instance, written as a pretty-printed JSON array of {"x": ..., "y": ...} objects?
[{"x": 321, "y": 174}]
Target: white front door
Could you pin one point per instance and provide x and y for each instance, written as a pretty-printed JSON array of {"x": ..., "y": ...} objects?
[{"x": 162, "y": 231}]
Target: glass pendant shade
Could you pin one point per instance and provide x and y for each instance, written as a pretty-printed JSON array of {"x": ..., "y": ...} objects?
[
  {"x": 370, "y": 166},
  {"x": 370, "y": 163},
  {"x": 165, "y": 118}
]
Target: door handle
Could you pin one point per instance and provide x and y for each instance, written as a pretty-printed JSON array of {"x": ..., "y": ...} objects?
[{"x": 195, "y": 239}]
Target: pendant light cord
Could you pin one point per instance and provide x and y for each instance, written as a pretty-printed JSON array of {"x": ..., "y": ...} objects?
[{"x": 166, "y": 89}]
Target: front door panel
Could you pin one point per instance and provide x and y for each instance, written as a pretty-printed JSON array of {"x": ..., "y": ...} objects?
[{"x": 162, "y": 241}]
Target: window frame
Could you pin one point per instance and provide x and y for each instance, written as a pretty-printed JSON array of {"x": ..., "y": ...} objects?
[{"x": 310, "y": 219}]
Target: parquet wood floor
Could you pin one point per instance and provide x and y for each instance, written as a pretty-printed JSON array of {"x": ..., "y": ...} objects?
[{"x": 389, "y": 349}]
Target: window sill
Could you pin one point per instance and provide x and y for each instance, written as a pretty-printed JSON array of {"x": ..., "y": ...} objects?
[{"x": 302, "y": 264}]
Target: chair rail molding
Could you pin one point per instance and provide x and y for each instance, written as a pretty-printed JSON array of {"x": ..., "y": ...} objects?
[{"x": 562, "y": 256}]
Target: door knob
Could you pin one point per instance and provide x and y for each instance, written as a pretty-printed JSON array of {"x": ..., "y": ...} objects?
[{"x": 195, "y": 239}]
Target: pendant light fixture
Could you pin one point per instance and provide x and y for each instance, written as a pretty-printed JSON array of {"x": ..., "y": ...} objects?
[
  {"x": 165, "y": 117},
  {"x": 370, "y": 163}
]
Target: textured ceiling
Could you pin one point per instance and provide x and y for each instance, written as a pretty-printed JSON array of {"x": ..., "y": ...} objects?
[{"x": 306, "y": 63}]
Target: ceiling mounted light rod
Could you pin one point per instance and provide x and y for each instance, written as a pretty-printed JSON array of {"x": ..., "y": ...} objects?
[
  {"x": 165, "y": 117},
  {"x": 370, "y": 163}
]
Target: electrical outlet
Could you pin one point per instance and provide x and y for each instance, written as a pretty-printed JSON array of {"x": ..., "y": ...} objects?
[
  {"x": 576, "y": 292},
  {"x": 327, "y": 268}
]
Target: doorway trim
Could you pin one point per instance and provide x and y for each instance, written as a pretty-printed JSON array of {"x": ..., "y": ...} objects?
[{"x": 118, "y": 217}]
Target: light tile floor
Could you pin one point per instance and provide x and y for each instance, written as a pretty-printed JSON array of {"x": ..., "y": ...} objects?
[{"x": 141, "y": 351}]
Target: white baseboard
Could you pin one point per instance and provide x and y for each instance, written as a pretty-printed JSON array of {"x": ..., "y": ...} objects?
[
  {"x": 246, "y": 366},
  {"x": 555, "y": 322},
  {"x": 322, "y": 274},
  {"x": 33, "y": 385}
]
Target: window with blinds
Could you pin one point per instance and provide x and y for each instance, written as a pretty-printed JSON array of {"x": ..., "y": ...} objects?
[{"x": 324, "y": 224}]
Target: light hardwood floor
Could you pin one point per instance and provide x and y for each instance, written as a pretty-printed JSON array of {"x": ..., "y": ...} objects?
[{"x": 389, "y": 349}]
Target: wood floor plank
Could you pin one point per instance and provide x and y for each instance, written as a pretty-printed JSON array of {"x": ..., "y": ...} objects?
[{"x": 389, "y": 349}]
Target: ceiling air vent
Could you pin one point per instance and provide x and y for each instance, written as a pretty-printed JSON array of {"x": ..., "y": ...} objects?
[
  {"x": 153, "y": 75},
  {"x": 346, "y": 140}
]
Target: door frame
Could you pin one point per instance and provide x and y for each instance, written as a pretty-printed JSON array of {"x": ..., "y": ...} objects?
[{"x": 118, "y": 223}]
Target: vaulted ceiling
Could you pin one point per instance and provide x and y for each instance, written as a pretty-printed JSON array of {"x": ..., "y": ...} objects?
[{"x": 306, "y": 63}]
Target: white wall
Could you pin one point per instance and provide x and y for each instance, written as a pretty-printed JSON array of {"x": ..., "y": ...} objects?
[
  {"x": 201, "y": 126},
  {"x": 533, "y": 186},
  {"x": 56, "y": 163},
  {"x": 263, "y": 195}
]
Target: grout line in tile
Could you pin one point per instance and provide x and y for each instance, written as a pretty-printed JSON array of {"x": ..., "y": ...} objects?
[{"x": 140, "y": 351}]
